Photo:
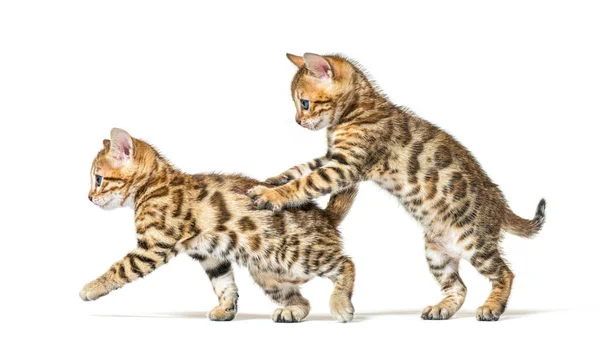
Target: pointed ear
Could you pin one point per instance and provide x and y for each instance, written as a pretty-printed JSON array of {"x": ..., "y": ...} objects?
[
  {"x": 318, "y": 66},
  {"x": 297, "y": 60},
  {"x": 121, "y": 146},
  {"x": 106, "y": 144}
]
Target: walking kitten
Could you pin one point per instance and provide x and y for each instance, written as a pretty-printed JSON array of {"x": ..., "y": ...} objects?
[
  {"x": 210, "y": 218},
  {"x": 433, "y": 176}
]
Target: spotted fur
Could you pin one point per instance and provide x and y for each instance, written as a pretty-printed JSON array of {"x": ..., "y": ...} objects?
[
  {"x": 434, "y": 177},
  {"x": 210, "y": 218}
]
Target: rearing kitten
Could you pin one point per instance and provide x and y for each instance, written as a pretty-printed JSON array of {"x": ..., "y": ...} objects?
[
  {"x": 210, "y": 218},
  {"x": 436, "y": 179}
]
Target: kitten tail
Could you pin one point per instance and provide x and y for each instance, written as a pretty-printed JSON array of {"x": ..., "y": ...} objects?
[
  {"x": 527, "y": 228},
  {"x": 339, "y": 204}
]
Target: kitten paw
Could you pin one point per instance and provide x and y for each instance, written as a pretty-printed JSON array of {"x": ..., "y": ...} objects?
[
  {"x": 266, "y": 198},
  {"x": 290, "y": 314},
  {"x": 488, "y": 314},
  {"x": 222, "y": 314},
  {"x": 341, "y": 308},
  {"x": 93, "y": 291},
  {"x": 436, "y": 312},
  {"x": 278, "y": 180}
]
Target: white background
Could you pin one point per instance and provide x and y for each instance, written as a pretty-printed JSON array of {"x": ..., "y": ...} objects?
[{"x": 208, "y": 84}]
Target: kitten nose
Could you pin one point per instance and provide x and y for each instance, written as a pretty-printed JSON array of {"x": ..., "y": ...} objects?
[
  {"x": 90, "y": 197},
  {"x": 298, "y": 121}
]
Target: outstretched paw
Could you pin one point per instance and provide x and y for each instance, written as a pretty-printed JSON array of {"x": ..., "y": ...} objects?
[
  {"x": 266, "y": 198},
  {"x": 93, "y": 291},
  {"x": 278, "y": 180}
]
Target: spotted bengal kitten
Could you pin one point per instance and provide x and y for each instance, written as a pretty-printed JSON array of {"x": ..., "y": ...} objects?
[
  {"x": 433, "y": 176},
  {"x": 210, "y": 218}
]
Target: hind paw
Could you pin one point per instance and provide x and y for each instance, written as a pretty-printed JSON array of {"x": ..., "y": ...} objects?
[
  {"x": 488, "y": 314},
  {"x": 436, "y": 312},
  {"x": 341, "y": 308},
  {"x": 290, "y": 314}
]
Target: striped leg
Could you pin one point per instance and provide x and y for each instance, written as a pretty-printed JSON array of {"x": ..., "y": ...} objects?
[
  {"x": 137, "y": 264},
  {"x": 491, "y": 265},
  {"x": 340, "y": 302},
  {"x": 331, "y": 178},
  {"x": 445, "y": 270},
  {"x": 296, "y": 307},
  {"x": 297, "y": 171},
  {"x": 220, "y": 274}
]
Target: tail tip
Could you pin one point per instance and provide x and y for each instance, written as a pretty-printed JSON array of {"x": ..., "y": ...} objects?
[
  {"x": 540, "y": 214},
  {"x": 541, "y": 209}
]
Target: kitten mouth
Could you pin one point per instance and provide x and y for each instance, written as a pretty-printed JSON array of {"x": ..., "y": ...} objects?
[
  {"x": 310, "y": 124},
  {"x": 104, "y": 204}
]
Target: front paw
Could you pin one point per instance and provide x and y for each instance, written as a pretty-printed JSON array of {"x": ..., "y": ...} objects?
[
  {"x": 279, "y": 180},
  {"x": 222, "y": 314},
  {"x": 93, "y": 291},
  {"x": 266, "y": 198}
]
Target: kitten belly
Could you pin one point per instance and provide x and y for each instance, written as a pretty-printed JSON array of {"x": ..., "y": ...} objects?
[
  {"x": 410, "y": 196},
  {"x": 439, "y": 227},
  {"x": 218, "y": 245}
]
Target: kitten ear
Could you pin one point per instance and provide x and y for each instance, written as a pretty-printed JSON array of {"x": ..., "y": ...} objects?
[
  {"x": 106, "y": 144},
  {"x": 121, "y": 146},
  {"x": 297, "y": 60},
  {"x": 318, "y": 66}
]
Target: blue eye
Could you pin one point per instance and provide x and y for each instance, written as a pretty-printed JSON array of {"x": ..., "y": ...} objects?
[
  {"x": 98, "y": 180},
  {"x": 305, "y": 104}
]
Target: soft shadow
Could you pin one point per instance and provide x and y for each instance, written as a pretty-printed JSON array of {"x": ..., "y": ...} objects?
[
  {"x": 359, "y": 316},
  {"x": 204, "y": 315},
  {"x": 508, "y": 315},
  {"x": 196, "y": 315}
]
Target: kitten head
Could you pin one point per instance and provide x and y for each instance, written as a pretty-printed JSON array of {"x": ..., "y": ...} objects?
[
  {"x": 321, "y": 89},
  {"x": 113, "y": 171}
]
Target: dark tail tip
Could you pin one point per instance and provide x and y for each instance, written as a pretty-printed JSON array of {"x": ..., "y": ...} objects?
[{"x": 540, "y": 215}]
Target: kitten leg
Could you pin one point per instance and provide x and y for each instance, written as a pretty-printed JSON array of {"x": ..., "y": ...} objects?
[
  {"x": 297, "y": 171},
  {"x": 445, "y": 270},
  {"x": 220, "y": 274},
  {"x": 331, "y": 178},
  {"x": 340, "y": 302},
  {"x": 137, "y": 264},
  {"x": 296, "y": 307},
  {"x": 491, "y": 265}
]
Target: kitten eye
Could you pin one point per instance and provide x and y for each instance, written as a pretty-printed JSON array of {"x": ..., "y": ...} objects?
[
  {"x": 98, "y": 180},
  {"x": 305, "y": 104}
]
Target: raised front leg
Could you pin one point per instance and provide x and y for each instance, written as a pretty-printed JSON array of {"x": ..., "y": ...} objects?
[
  {"x": 136, "y": 264},
  {"x": 332, "y": 177},
  {"x": 220, "y": 274},
  {"x": 298, "y": 171}
]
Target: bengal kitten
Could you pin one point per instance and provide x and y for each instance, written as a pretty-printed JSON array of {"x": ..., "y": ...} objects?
[
  {"x": 433, "y": 176},
  {"x": 210, "y": 218}
]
